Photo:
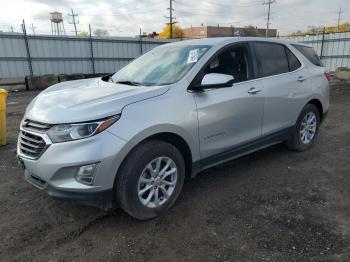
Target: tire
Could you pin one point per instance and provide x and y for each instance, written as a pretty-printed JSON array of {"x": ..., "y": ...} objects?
[
  {"x": 139, "y": 163},
  {"x": 299, "y": 142}
]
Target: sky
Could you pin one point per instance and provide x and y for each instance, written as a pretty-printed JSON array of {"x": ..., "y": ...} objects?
[{"x": 126, "y": 17}]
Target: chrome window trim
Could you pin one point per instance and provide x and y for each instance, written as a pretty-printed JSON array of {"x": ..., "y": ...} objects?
[{"x": 286, "y": 45}]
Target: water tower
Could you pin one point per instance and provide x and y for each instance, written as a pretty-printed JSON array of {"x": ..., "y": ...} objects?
[{"x": 57, "y": 26}]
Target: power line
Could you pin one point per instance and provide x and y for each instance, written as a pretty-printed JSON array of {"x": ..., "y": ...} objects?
[
  {"x": 202, "y": 14},
  {"x": 116, "y": 9},
  {"x": 74, "y": 22},
  {"x": 209, "y": 12},
  {"x": 269, "y": 2},
  {"x": 246, "y": 4},
  {"x": 119, "y": 13}
]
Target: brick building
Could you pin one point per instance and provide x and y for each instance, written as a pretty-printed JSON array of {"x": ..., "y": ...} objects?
[{"x": 220, "y": 31}]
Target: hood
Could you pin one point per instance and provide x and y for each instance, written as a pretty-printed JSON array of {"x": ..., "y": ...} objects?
[{"x": 85, "y": 100}]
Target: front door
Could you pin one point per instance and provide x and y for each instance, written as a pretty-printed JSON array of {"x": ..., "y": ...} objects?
[{"x": 229, "y": 117}]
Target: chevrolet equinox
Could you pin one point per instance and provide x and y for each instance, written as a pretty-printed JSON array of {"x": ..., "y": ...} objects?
[{"x": 130, "y": 139}]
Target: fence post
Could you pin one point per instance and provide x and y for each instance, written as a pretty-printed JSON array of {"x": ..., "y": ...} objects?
[
  {"x": 92, "y": 52},
  {"x": 27, "y": 48},
  {"x": 322, "y": 43},
  {"x": 140, "y": 42}
]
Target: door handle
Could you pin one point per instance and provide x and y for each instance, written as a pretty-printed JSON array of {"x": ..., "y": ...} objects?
[
  {"x": 254, "y": 90},
  {"x": 301, "y": 78}
]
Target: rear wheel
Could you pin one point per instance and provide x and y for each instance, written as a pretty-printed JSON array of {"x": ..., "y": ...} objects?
[
  {"x": 150, "y": 179},
  {"x": 306, "y": 129}
]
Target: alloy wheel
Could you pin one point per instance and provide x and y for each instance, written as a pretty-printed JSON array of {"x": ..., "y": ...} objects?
[
  {"x": 157, "y": 182},
  {"x": 308, "y": 127}
]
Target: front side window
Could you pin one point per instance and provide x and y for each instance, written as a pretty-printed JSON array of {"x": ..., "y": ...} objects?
[
  {"x": 233, "y": 61},
  {"x": 161, "y": 66}
]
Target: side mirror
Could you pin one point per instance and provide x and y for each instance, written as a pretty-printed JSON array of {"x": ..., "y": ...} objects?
[{"x": 215, "y": 80}]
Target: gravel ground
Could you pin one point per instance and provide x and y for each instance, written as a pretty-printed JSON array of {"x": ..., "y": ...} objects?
[{"x": 273, "y": 205}]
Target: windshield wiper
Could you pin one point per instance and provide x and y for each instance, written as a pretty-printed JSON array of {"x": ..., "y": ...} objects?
[{"x": 130, "y": 83}]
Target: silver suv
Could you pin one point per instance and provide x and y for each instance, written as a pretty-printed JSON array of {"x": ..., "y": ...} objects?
[{"x": 130, "y": 139}]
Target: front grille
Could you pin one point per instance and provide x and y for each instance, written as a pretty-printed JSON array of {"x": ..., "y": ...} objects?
[
  {"x": 35, "y": 126},
  {"x": 31, "y": 145}
]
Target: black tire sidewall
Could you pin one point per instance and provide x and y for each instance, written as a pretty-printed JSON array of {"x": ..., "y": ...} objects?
[
  {"x": 297, "y": 144},
  {"x": 132, "y": 167}
]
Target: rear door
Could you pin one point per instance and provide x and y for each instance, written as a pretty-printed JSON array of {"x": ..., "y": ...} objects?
[
  {"x": 286, "y": 84},
  {"x": 316, "y": 72}
]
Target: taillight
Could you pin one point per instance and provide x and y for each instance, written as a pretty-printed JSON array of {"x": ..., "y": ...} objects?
[{"x": 328, "y": 75}]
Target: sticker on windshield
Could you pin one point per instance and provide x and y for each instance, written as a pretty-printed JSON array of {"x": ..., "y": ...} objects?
[{"x": 192, "y": 56}]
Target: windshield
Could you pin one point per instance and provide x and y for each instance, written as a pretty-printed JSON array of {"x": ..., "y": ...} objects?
[{"x": 160, "y": 66}]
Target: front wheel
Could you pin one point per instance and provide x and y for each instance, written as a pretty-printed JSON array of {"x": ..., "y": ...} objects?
[
  {"x": 306, "y": 129},
  {"x": 150, "y": 179}
]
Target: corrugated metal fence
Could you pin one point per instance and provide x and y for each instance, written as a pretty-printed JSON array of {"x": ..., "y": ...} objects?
[
  {"x": 333, "y": 49},
  {"x": 22, "y": 55}
]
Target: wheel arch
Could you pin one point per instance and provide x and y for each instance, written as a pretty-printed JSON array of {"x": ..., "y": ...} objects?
[
  {"x": 178, "y": 142},
  {"x": 317, "y": 103},
  {"x": 173, "y": 138}
]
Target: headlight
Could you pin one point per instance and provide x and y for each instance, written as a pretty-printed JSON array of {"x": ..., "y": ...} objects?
[{"x": 68, "y": 132}]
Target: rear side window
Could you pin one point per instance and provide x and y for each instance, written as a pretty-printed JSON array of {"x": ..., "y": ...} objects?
[
  {"x": 272, "y": 59},
  {"x": 294, "y": 63},
  {"x": 309, "y": 53}
]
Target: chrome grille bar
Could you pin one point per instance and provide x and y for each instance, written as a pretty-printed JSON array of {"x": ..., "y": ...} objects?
[
  {"x": 35, "y": 126},
  {"x": 31, "y": 145},
  {"x": 32, "y": 140},
  {"x": 29, "y": 138}
]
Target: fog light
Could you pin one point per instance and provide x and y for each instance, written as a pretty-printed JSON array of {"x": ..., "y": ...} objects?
[{"x": 86, "y": 174}]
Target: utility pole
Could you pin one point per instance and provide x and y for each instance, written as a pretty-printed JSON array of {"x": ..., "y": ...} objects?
[
  {"x": 269, "y": 2},
  {"x": 141, "y": 41},
  {"x": 92, "y": 51},
  {"x": 339, "y": 17},
  {"x": 33, "y": 28},
  {"x": 73, "y": 21},
  {"x": 29, "y": 58},
  {"x": 171, "y": 18}
]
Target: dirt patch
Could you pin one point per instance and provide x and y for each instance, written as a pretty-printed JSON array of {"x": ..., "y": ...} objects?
[{"x": 273, "y": 205}]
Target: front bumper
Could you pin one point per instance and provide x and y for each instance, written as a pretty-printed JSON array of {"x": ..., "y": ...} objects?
[{"x": 55, "y": 170}]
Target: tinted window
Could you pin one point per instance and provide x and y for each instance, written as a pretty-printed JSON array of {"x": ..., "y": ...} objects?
[
  {"x": 272, "y": 59},
  {"x": 294, "y": 63},
  {"x": 309, "y": 53},
  {"x": 233, "y": 61}
]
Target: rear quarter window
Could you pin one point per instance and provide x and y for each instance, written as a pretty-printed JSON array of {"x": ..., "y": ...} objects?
[
  {"x": 293, "y": 61},
  {"x": 309, "y": 53}
]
